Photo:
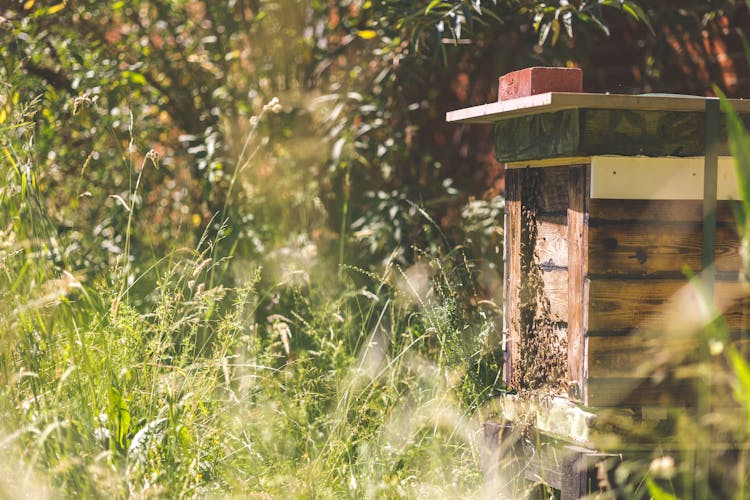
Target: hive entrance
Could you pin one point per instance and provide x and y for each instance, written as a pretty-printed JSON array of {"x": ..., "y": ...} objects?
[{"x": 542, "y": 360}]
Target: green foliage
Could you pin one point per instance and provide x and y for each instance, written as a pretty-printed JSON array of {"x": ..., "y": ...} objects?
[
  {"x": 657, "y": 493},
  {"x": 177, "y": 70},
  {"x": 552, "y": 20},
  {"x": 334, "y": 396},
  {"x": 739, "y": 144},
  {"x": 293, "y": 382},
  {"x": 196, "y": 75}
]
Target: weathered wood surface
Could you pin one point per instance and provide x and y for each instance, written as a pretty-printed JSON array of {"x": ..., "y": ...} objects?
[
  {"x": 552, "y": 242},
  {"x": 643, "y": 238},
  {"x": 636, "y": 392},
  {"x": 590, "y": 132},
  {"x": 510, "y": 464},
  {"x": 656, "y": 248},
  {"x": 642, "y": 355},
  {"x": 609, "y": 267},
  {"x": 512, "y": 270},
  {"x": 550, "y": 193},
  {"x": 553, "y": 415},
  {"x": 496, "y": 460},
  {"x": 637, "y": 132},
  {"x": 549, "y": 162},
  {"x": 556, "y": 291},
  {"x": 577, "y": 289},
  {"x": 536, "y": 243},
  {"x": 547, "y": 135},
  {"x": 655, "y": 211},
  {"x": 623, "y": 305},
  {"x": 634, "y": 356},
  {"x": 543, "y": 290}
]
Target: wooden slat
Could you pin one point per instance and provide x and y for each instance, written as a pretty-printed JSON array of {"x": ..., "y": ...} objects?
[
  {"x": 636, "y": 356},
  {"x": 658, "y": 211},
  {"x": 576, "y": 476},
  {"x": 599, "y": 132},
  {"x": 666, "y": 178},
  {"x": 550, "y": 193},
  {"x": 489, "y": 113},
  {"x": 556, "y": 291},
  {"x": 641, "y": 355},
  {"x": 635, "y": 392},
  {"x": 618, "y": 305},
  {"x": 636, "y": 132},
  {"x": 546, "y": 466},
  {"x": 552, "y": 241},
  {"x": 577, "y": 285},
  {"x": 512, "y": 270},
  {"x": 642, "y": 249},
  {"x": 555, "y": 101},
  {"x": 550, "y": 162}
]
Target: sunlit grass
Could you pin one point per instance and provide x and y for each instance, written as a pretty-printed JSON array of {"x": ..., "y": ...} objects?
[{"x": 161, "y": 377}]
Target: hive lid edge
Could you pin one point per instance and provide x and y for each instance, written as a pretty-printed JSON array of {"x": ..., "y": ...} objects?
[{"x": 558, "y": 101}]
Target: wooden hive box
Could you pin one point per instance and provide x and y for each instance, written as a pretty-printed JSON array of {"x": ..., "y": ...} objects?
[{"x": 604, "y": 215}]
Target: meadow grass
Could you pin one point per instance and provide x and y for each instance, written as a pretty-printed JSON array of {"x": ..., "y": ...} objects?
[
  {"x": 336, "y": 396},
  {"x": 163, "y": 377}
]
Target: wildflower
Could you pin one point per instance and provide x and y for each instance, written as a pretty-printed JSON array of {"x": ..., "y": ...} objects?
[
  {"x": 662, "y": 467},
  {"x": 274, "y": 106}
]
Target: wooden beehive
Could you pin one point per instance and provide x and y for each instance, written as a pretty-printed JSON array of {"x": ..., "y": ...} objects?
[{"x": 604, "y": 220}]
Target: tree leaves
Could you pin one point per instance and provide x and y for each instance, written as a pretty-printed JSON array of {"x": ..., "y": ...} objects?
[
  {"x": 52, "y": 9},
  {"x": 57, "y": 8},
  {"x": 631, "y": 8},
  {"x": 367, "y": 34},
  {"x": 436, "y": 3},
  {"x": 594, "y": 10},
  {"x": 134, "y": 77},
  {"x": 637, "y": 13},
  {"x": 549, "y": 20},
  {"x": 657, "y": 493}
]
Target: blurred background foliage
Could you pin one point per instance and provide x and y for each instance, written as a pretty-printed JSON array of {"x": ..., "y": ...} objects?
[{"x": 356, "y": 146}]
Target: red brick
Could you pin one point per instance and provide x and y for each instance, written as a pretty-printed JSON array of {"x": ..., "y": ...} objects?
[{"x": 538, "y": 80}]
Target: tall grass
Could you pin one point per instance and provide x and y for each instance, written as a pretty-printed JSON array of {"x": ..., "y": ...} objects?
[{"x": 151, "y": 378}]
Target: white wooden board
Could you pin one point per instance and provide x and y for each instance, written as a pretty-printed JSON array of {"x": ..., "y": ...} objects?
[
  {"x": 642, "y": 178},
  {"x": 556, "y": 101}
]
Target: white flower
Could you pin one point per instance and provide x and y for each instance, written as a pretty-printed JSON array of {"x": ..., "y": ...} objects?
[
  {"x": 663, "y": 467},
  {"x": 274, "y": 106}
]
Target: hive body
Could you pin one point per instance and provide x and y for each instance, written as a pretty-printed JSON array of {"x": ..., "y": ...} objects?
[{"x": 604, "y": 226}]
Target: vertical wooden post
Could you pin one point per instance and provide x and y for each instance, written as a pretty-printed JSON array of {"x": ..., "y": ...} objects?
[
  {"x": 512, "y": 270},
  {"x": 574, "y": 476},
  {"x": 708, "y": 273},
  {"x": 489, "y": 458},
  {"x": 710, "y": 182},
  {"x": 500, "y": 460},
  {"x": 577, "y": 279}
]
